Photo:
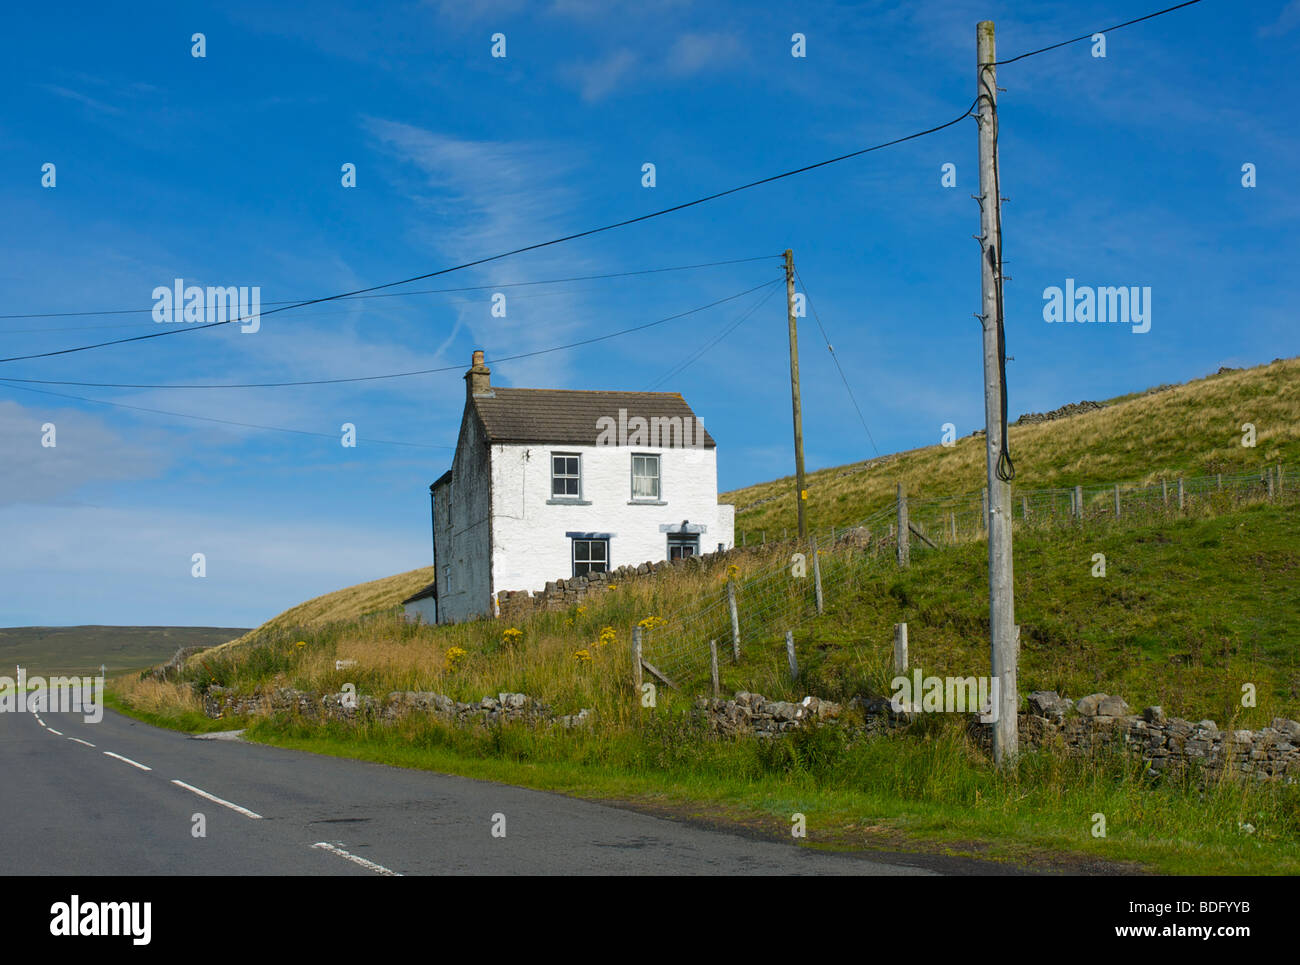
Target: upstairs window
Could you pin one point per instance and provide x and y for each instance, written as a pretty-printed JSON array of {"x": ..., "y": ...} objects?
[
  {"x": 566, "y": 477},
  {"x": 645, "y": 477}
]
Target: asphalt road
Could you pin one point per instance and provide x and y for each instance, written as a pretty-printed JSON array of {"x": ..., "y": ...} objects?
[{"x": 120, "y": 797}]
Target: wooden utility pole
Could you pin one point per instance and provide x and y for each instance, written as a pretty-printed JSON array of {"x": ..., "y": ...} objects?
[
  {"x": 1002, "y": 621},
  {"x": 800, "y": 493}
]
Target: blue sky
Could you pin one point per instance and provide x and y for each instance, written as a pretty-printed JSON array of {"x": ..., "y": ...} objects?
[{"x": 225, "y": 170}]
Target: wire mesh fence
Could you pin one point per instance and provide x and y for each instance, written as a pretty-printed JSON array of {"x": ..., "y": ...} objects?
[{"x": 788, "y": 582}]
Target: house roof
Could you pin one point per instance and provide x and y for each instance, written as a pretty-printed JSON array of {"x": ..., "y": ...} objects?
[
  {"x": 430, "y": 590},
  {"x": 572, "y": 417}
]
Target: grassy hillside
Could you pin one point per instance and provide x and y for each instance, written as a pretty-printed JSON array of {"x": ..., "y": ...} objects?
[
  {"x": 1192, "y": 429},
  {"x": 350, "y": 603},
  {"x": 46, "y": 649}
]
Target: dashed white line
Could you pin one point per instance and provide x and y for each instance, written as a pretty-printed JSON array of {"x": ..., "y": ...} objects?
[
  {"x": 41, "y": 722},
  {"x": 129, "y": 761},
  {"x": 80, "y": 741},
  {"x": 356, "y": 859},
  {"x": 53, "y": 731},
  {"x": 213, "y": 797}
]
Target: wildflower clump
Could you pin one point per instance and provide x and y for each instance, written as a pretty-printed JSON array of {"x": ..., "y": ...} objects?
[
  {"x": 512, "y": 635},
  {"x": 650, "y": 622},
  {"x": 456, "y": 656},
  {"x": 582, "y": 656},
  {"x": 607, "y": 636}
]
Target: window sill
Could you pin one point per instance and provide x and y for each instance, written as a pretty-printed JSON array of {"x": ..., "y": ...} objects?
[
  {"x": 567, "y": 502},
  {"x": 646, "y": 502}
]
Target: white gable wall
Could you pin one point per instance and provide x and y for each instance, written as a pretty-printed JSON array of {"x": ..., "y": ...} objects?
[{"x": 529, "y": 542}]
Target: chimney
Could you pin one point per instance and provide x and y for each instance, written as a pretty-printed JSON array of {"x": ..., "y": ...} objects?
[{"x": 476, "y": 379}]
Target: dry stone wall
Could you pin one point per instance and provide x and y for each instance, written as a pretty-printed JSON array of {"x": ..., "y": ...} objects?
[
  {"x": 1095, "y": 722},
  {"x": 504, "y": 708}
]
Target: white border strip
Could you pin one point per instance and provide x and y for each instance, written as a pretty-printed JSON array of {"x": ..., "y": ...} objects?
[
  {"x": 355, "y": 859},
  {"x": 213, "y": 797},
  {"x": 80, "y": 741}
]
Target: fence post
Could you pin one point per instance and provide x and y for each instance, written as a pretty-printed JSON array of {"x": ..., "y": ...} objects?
[
  {"x": 817, "y": 576},
  {"x": 1078, "y": 502},
  {"x": 904, "y": 544},
  {"x": 952, "y": 522},
  {"x": 1219, "y": 477},
  {"x": 789, "y": 654},
  {"x": 713, "y": 664},
  {"x": 1164, "y": 492},
  {"x": 636, "y": 663},
  {"x": 1180, "y": 494},
  {"x": 1117, "y": 500},
  {"x": 900, "y": 648},
  {"x": 984, "y": 508},
  {"x": 735, "y": 621},
  {"x": 1270, "y": 483},
  {"x": 1024, "y": 507}
]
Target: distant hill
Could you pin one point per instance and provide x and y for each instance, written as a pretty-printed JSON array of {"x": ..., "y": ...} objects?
[{"x": 44, "y": 650}]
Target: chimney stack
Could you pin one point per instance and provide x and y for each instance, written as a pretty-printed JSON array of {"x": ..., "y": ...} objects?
[{"x": 476, "y": 379}]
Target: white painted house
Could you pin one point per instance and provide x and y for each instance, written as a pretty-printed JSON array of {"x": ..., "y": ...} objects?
[{"x": 551, "y": 484}]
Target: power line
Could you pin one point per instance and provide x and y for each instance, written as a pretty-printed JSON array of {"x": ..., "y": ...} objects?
[
  {"x": 390, "y": 375},
  {"x": 558, "y": 293},
  {"x": 431, "y": 291},
  {"x": 682, "y": 366},
  {"x": 526, "y": 248},
  {"x": 225, "y": 422},
  {"x": 836, "y": 359},
  {"x": 1089, "y": 36}
]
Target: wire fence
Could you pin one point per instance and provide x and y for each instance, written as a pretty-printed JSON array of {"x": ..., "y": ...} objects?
[{"x": 788, "y": 582}]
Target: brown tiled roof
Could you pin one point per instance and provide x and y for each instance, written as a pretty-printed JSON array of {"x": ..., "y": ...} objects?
[{"x": 571, "y": 417}]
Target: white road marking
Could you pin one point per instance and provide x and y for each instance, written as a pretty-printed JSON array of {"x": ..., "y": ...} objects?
[
  {"x": 355, "y": 859},
  {"x": 53, "y": 731},
  {"x": 129, "y": 761},
  {"x": 213, "y": 797},
  {"x": 41, "y": 722},
  {"x": 80, "y": 741}
]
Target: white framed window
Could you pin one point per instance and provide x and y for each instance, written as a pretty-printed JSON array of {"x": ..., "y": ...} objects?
[
  {"x": 590, "y": 556},
  {"x": 645, "y": 477},
  {"x": 566, "y": 475}
]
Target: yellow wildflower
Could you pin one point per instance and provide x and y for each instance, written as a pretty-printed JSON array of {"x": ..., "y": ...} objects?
[{"x": 581, "y": 656}]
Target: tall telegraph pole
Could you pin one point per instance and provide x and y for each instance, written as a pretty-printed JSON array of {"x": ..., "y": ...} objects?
[
  {"x": 1002, "y": 631},
  {"x": 800, "y": 493}
]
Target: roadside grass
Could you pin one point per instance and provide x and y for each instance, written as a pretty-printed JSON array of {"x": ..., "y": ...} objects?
[{"x": 1191, "y": 429}]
